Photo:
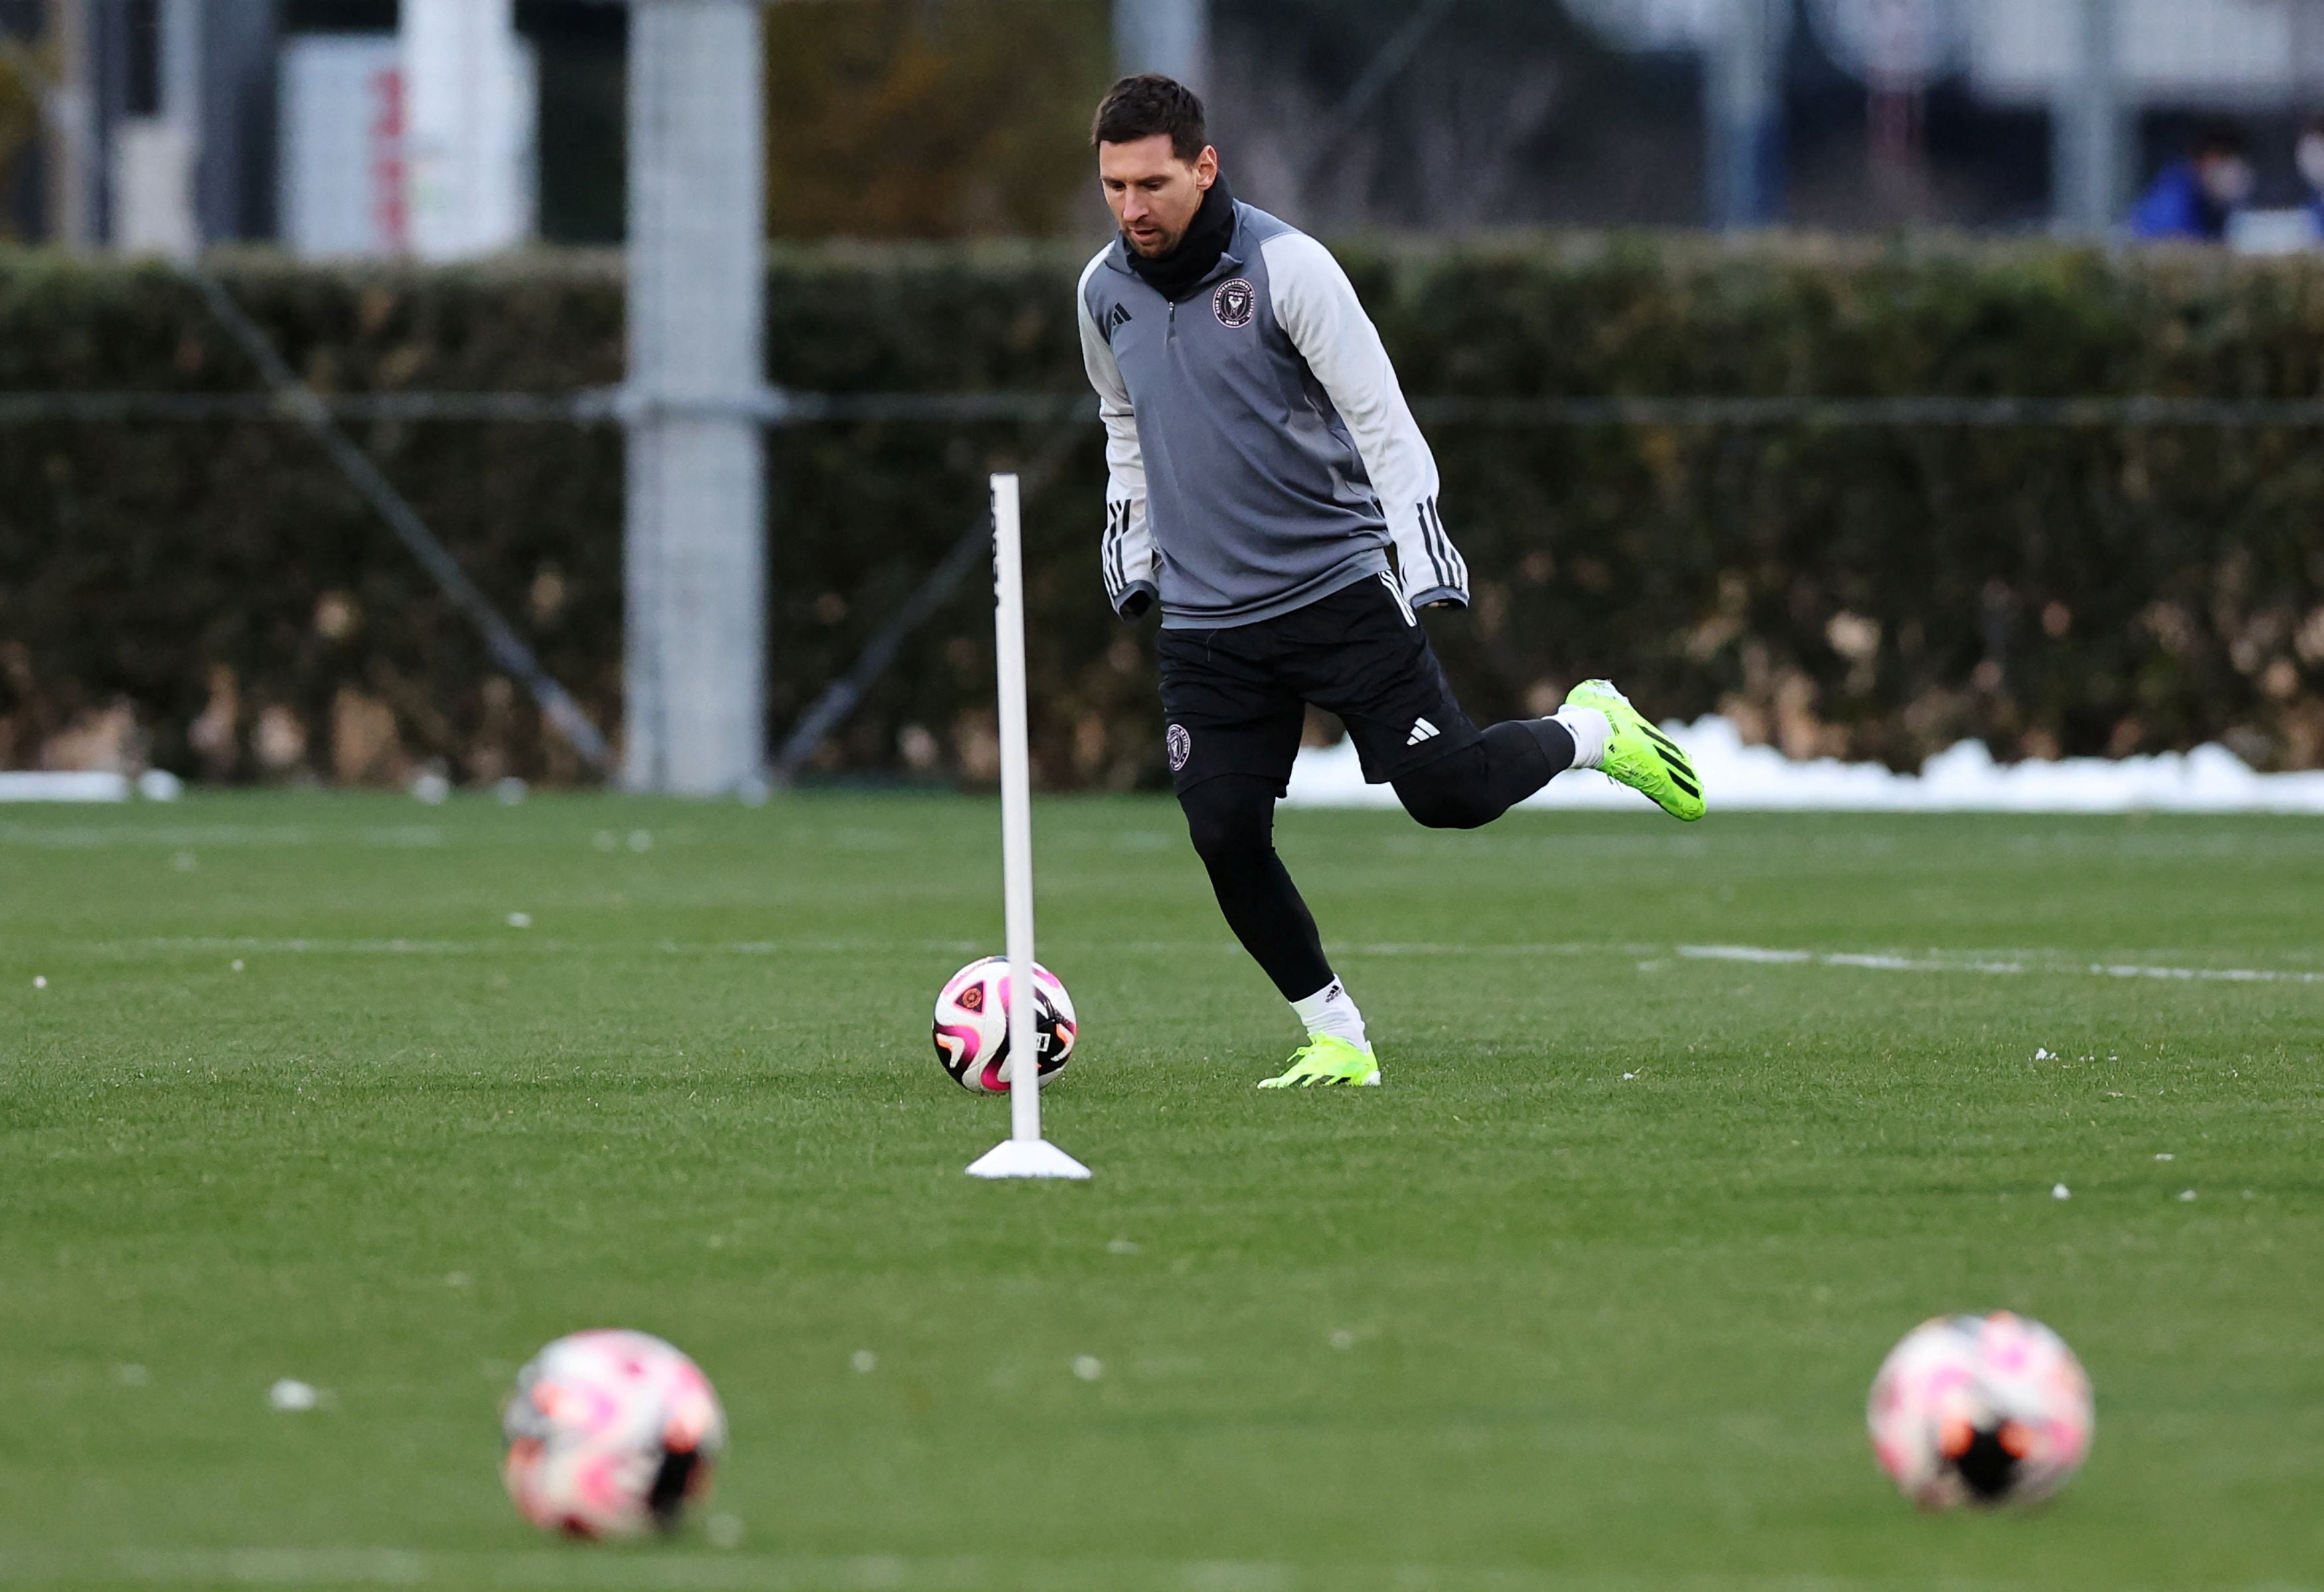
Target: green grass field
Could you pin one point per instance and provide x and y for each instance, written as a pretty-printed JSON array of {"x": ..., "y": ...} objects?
[{"x": 1588, "y": 1296}]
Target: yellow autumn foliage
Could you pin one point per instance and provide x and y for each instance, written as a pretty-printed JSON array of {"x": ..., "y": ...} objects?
[{"x": 931, "y": 118}]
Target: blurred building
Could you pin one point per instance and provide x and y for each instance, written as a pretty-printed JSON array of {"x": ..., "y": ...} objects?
[
  {"x": 418, "y": 138},
  {"x": 1951, "y": 89},
  {"x": 176, "y": 121},
  {"x": 157, "y": 121},
  {"x": 1845, "y": 114},
  {"x": 170, "y": 124}
]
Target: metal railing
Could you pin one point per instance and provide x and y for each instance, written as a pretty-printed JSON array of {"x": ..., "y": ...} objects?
[{"x": 780, "y": 407}]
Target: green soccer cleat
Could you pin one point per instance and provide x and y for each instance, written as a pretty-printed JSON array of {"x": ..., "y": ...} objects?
[
  {"x": 1639, "y": 755},
  {"x": 1327, "y": 1061}
]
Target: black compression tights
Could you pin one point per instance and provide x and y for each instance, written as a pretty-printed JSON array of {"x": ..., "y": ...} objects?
[{"x": 1231, "y": 820}]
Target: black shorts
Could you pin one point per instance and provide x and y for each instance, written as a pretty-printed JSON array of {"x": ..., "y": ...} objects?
[{"x": 1236, "y": 699}]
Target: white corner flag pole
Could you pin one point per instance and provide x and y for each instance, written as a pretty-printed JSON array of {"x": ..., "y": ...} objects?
[{"x": 1024, "y": 1153}]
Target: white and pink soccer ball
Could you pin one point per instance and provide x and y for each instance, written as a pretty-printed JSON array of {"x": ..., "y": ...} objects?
[
  {"x": 1980, "y": 1410},
  {"x": 972, "y": 1025},
  {"x": 610, "y": 1434}
]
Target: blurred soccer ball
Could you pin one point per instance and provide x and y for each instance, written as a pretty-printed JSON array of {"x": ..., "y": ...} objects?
[
  {"x": 972, "y": 1025},
  {"x": 1981, "y": 1410},
  {"x": 610, "y": 1434}
]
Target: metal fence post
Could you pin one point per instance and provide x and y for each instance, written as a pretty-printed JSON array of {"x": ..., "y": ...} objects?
[
  {"x": 1743, "y": 113},
  {"x": 1172, "y": 37},
  {"x": 2086, "y": 136},
  {"x": 71, "y": 110},
  {"x": 694, "y": 556}
]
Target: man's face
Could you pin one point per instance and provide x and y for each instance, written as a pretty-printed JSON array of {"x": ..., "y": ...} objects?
[
  {"x": 2227, "y": 178},
  {"x": 1152, "y": 193},
  {"x": 2310, "y": 155}
]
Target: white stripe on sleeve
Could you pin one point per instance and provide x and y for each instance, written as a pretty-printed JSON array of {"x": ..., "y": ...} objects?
[
  {"x": 1317, "y": 308},
  {"x": 1126, "y": 551}
]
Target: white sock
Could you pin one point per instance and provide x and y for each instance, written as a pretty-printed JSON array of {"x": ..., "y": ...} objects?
[
  {"x": 1330, "y": 1013},
  {"x": 1589, "y": 729}
]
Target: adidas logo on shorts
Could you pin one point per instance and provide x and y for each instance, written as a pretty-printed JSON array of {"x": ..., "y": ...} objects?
[{"x": 1422, "y": 730}]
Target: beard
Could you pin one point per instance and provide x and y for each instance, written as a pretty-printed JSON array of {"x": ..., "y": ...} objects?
[{"x": 1161, "y": 244}]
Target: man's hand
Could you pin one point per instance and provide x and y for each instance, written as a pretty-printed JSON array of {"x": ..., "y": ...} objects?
[{"x": 1135, "y": 605}]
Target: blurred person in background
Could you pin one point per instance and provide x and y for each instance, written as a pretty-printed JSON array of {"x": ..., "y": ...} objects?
[
  {"x": 2307, "y": 155},
  {"x": 2197, "y": 197}
]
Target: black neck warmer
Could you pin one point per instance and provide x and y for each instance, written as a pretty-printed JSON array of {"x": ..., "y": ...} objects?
[{"x": 1174, "y": 275}]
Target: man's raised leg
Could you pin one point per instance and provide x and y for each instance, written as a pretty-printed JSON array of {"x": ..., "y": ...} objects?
[{"x": 1597, "y": 729}]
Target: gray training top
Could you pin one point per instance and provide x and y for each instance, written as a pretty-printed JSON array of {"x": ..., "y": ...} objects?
[{"x": 1260, "y": 454}]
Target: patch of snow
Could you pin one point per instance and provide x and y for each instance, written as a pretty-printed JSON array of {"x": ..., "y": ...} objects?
[
  {"x": 42, "y": 786},
  {"x": 291, "y": 1394},
  {"x": 1738, "y": 778}
]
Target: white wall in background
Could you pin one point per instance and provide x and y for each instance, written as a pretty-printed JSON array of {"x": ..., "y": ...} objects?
[
  {"x": 153, "y": 188},
  {"x": 340, "y": 178},
  {"x": 1655, "y": 25},
  {"x": 471, "y": 93},
  {"x": 2186, "y": 52}
]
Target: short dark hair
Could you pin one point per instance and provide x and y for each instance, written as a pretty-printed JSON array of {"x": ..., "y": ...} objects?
[
  {"x": 2214, "y": 140},
  {"x": 1140, "y": 106}
]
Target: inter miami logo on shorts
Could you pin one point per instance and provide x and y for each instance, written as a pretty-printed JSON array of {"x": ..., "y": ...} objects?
[
  {"x": 1235, "y": 303},
  {"x": 1181, "y": 745}
]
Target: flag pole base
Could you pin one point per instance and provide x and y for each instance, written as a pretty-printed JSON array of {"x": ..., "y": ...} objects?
[{"x": 1026, "y": 1158}]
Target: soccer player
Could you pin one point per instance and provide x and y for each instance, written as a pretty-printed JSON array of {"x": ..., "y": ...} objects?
[{"x": 1263, "y": 467}]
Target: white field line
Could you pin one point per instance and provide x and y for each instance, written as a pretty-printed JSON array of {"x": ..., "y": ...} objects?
[
  {"x": 255, "y": 943},
  {"x": 568, "y": 1567},
  {"x": 513, "y": 940},
  {"x": 2049, "y": 962},
  {"x": 212, "y": 837},
  {"x": 2012, "y": 963}
]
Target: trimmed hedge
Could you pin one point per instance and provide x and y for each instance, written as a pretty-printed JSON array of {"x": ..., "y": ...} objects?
[{"x": 211, "y": 596}]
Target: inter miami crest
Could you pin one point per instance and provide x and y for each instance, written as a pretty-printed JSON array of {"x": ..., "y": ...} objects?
[
  {"x": 1181, "y": 747},
  {"x": 1235, "y": 303}
]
